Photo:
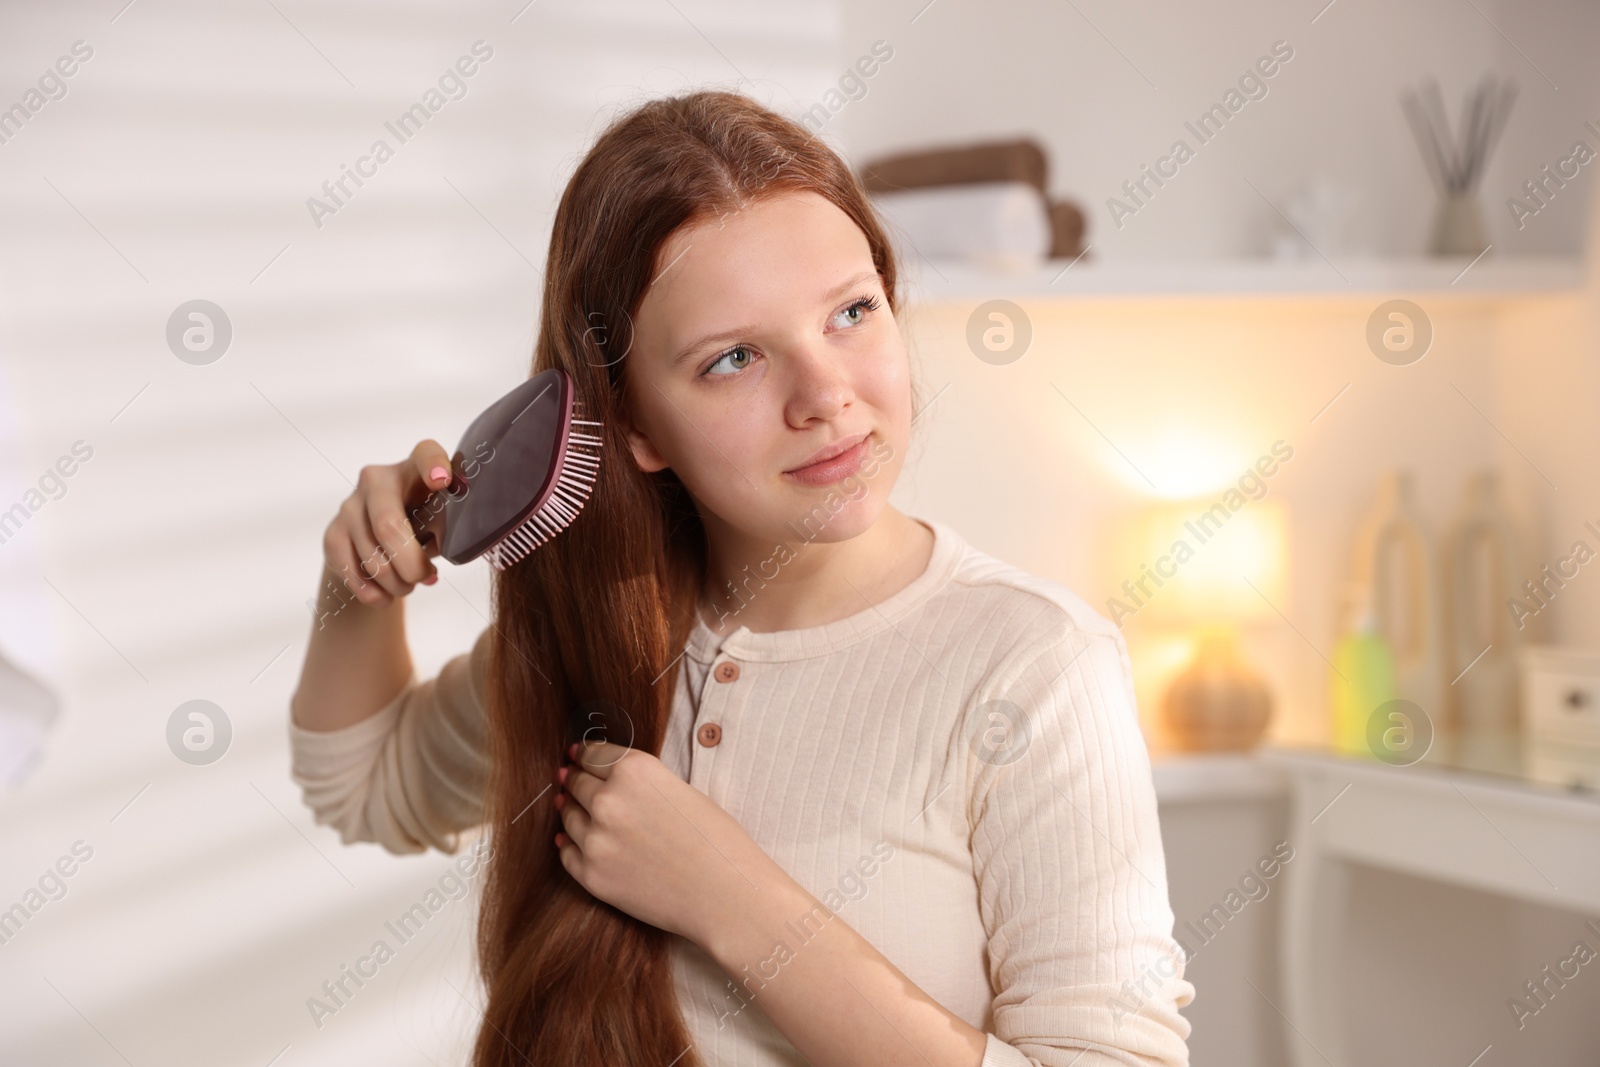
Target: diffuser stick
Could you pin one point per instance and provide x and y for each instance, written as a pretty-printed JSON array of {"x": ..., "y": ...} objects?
[
  {"x": 1456, "y": 161},
  {"x": 1431, "y": 157}
]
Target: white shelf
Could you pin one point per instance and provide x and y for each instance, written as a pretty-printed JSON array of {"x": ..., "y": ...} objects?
[
  {"x": 1184, "y": 777},
  {"x": 942, "y": 281}
]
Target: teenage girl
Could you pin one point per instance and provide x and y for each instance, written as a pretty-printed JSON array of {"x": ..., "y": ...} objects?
[{"x": 772, "y": 772}]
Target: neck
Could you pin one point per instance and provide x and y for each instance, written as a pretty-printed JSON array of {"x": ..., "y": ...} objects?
[{"x": 791, "y": 583}]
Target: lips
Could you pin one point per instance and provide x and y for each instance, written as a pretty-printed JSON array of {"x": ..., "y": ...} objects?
[{"x": 827, "y": 452}]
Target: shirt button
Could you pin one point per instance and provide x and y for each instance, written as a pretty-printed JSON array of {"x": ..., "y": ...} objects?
[
  {"x": 727, "y": 671},
  {"x": 710, "y": 734}
]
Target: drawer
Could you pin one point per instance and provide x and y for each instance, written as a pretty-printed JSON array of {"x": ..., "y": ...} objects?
[{"x": 1561, "y": 693}]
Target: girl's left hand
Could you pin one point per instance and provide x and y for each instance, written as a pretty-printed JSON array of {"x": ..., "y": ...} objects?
[{"x": 644, "y": 840}]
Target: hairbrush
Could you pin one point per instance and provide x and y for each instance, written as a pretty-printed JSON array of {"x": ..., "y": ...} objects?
[{"x": 522, "y": 473}]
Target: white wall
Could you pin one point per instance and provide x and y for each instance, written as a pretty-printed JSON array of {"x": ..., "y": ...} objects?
[
  {"x": 1080, "y": 77},
  {"x": 1547, "y": 379}
]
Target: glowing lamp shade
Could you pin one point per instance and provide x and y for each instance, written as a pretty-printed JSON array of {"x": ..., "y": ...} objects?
[{"x": 1199, "y": 562}]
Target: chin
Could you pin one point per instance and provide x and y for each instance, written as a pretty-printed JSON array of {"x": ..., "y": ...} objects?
[{"x": 830, "y": 513}]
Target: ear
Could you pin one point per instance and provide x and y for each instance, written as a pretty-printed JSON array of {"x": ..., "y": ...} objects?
[{"x": 645, "y": 455}]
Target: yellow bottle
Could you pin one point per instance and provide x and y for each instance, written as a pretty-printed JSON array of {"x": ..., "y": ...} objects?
[{"x": 1363, "y": 675}]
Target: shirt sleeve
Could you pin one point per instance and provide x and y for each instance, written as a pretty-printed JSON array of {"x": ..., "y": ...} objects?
[
  {"x": 1066, "y": 849},
  {"x": 410, "y": 776}
]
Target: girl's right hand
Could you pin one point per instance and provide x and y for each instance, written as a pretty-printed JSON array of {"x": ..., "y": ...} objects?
[{"x": 370, "y": 544}]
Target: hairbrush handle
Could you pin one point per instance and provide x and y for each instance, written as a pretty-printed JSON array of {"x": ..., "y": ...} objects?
[{"x": 428, "y": 518}]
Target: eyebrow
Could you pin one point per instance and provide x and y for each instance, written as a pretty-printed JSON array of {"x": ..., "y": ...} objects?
[{"x": 744, "y": 331}]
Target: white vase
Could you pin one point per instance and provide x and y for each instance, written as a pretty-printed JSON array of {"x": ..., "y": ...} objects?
[
  {"x": 1482, "y": 566},
  {"x": 1458, "y": 226},
  {"x": 1394, "y": 560}
]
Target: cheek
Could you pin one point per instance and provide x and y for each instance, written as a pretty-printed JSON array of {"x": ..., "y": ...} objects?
[
  {"x": 885, "y": 384},
  {"x": 714, "y": 446}
]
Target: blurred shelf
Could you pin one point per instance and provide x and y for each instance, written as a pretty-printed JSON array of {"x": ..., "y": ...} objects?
[
  {"x": 1187, "y": 777},
  {"x": 1504, "y": 758},
  {"x": 943, "y": 281}
]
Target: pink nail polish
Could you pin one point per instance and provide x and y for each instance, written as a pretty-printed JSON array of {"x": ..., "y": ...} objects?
[{"x": 439, "y": 474}]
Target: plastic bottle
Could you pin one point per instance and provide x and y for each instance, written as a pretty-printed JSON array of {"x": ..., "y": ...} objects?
[
  {"x": 1363, "y": 677},
  {"x": 1482, "y": 564}
]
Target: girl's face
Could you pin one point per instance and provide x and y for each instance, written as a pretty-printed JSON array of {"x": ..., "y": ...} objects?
[{"x": 764, "y": 342}]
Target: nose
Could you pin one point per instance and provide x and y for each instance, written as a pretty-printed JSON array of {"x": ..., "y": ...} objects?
[{"x": 819, "y": 386}]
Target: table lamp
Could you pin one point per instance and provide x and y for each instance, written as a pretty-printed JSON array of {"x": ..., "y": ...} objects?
[{"x": 1207, "y": 570}]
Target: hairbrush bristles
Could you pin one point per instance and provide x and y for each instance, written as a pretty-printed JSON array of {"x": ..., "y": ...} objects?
[{"x": 579, "y": 464}]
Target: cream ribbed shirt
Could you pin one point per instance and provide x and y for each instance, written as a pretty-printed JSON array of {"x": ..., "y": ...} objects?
[{"x": 957, "y": 772}]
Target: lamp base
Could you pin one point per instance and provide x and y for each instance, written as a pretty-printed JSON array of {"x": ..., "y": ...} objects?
[{"x": 1217, "y": 704}]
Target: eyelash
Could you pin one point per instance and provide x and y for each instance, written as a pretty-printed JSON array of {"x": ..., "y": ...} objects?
[{"x": 867, "y": 301}]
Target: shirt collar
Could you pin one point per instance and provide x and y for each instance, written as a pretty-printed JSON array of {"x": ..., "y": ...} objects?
[{"x": 779, "y": 645}]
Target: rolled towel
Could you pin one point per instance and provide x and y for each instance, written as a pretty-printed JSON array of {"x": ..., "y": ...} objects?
[
  {"x": 1020, "y": 160},
  {"x": 1006, "y": 223},
  {"x": 1067, "y": 225}
]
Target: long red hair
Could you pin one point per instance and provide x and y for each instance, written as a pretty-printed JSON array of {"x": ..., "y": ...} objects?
[{"x": 589, "y": 628}]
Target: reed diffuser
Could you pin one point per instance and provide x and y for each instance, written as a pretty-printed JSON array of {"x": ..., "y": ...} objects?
[{"x": 1456, "y": 162}]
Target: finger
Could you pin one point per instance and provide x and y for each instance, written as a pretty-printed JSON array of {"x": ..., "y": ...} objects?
[
  {"x": 432, "y": 463},
  {"x": 341, "y": 554},
  {"x": 574, "y": 819},
  {"x": 571, "y": 856},
  {"x": 386, "y": 513},
  {"x": 370, "y": 562},
  {"x": 597, "y": 757},
  {"x": 431, "y": 468},
  {"x": 373, "y": 561},
  {"x": 581, "y": 785}
]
